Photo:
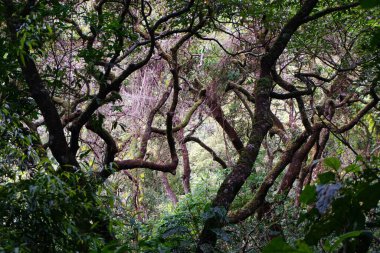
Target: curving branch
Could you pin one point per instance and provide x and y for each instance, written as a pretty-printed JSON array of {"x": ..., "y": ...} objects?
[
  {"x": 277, "y": 128},
  {"x": 115, "y": 85},
  {"x": 217, "y": 113},
  {"x": 308, "y": 170},
  {"x": 136, "y": 163},
  {"x": 215, "y": 157},
  {"x": 293, "y": 94},
  {"x": 338, "y": 130},
  {"x": 111, "y": 149},
  {"x": 301, "y": 105},
  {"x": 172, "y": 166},
  {"x": 186, "y": 120},
  {"x": 251, "y": 207},
  {"x": 330, "y": 10},
  {"x": 77, "y": 28},
  {"x": 57, "y": 140},
  {"x": 296, "y": 164},
  {"x": 262, "y": 124},
  {"x": 269, "y": 60},
  {"x": 148, "y": 128},
  {"x": 241, "y": 98},
  {"x": 247, "y": 51},
  {"x": 185, "y": 162},
  {"x": 360, "y": 114}
]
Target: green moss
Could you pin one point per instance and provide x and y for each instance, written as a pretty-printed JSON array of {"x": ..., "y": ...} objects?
[{"x": 265, "y": 82}]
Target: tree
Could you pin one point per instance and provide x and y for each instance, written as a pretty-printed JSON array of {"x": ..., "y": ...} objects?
[
  {"x": 107, "y": 88},
  {"x": 262, "y": 121}
]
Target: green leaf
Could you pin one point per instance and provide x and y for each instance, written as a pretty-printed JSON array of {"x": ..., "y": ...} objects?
[
  {"x": 50, "y": 31},
  {"x": 22, "y": 41},
  {"x": 352, "y": 168},
  {"x": 84, "y": 154},
  {"x": 303, "y": 247},
  {"x": 370, "y": 196},
  {"x": 123, "y": 249},
  {"x": 368, "y": 4},
  {"x": 340, "y": 239},
  {"x": 278, "y": 245},
  {"x": 375, "y": 40},
  {"x": 179, "y": 230},
  {"x": 359, "y": 158},
  {"x": 332, "y": 162},
  {"x": 308, "y": 195},
  {"x": 326, "y": 177}
]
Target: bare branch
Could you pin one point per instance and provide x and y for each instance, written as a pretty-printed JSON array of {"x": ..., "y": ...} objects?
[{"x": 215, "y": 157}]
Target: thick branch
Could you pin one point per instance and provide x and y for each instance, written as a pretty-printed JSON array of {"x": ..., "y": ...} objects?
[
  {"x": 262, "y": 124},
  {"x": 134, "y": 164},
  {"x": 259, "y": 198},
  {"x": 278, "y": 128},
  {"x": 185, "y": 162},
  {"x": 294, "y": 94},
  {"x": 111, "y": 149},
  {"x": 269, "y": 60},
  {"x": 105, "y": 89},
  {"x": 296, "y": 164},
  {"x": 185, "y": 121},
  {"x": 357, "y": 118},
  {"x": 148, "y": 128},
  {"x": 57, "y": 139},
  {"x": 169, "y": 191},
  {"x": 218, "y": 115}
]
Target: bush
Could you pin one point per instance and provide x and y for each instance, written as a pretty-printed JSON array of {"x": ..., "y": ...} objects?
[
  {"x": 343, "y": 210},
  {"x": 50, "y": 213}
]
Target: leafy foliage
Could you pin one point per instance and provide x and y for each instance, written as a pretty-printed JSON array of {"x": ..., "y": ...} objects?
[
  {"x": 46, "y": 213},
  {"x": 101, "y": 102},
  {"x": 345, "y": 219}
]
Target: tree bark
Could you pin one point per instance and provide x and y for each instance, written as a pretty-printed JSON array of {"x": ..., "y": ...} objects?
[
  {"x": 217, "y": 113},
  {"x": 57, "y": 140},
  {"x": 169, "y": 192},
  {"x": 296, "y": 164},
  {"x": 185, "y": 162},
  {"x": 261, "y": 125}
]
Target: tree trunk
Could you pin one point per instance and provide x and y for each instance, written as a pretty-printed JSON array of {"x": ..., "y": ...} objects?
[
  {"x": 186, "y": 163},
  {"x": 168, "y": 189},
  {"x": 262, "y": 122}
]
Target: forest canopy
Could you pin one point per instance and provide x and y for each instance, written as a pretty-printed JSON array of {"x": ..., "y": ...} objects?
[{"x": 189, "y": 126}]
